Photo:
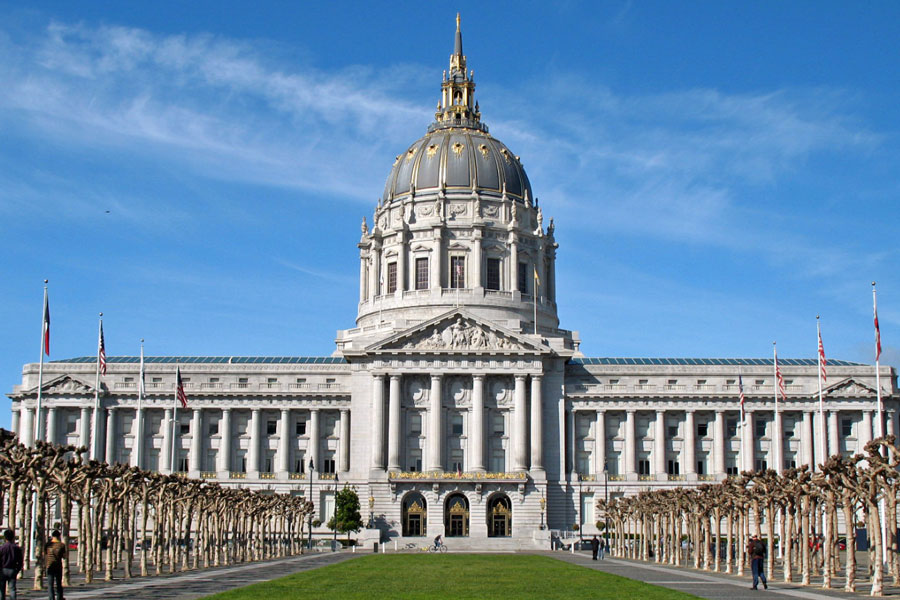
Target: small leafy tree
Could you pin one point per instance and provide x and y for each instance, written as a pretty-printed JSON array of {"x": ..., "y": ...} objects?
[{"x": 346, "y": 517}]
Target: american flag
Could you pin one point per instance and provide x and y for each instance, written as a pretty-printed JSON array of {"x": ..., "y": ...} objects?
[
  {"x": 459, "y": 273},
  {"x": 179, "y": 388},
  {"x": 822, "y": 362},
  {"x": 101, "y": 352},
  {"x": 741, "y": 389},
  {"x": 877, "y": 329},
  {"x": 779, "y": 379},
  {"x": 46, "y": 324}
]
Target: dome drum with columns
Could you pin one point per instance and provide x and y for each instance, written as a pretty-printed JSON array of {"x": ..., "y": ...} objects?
[{"x": 447, "y": 407}]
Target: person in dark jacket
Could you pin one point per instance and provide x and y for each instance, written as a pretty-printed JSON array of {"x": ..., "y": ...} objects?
[
  {"x": 595, "y": 547},
  {"x": 54, "y": 553},
  {"x": 757, "y": 552},
  {"x": 11, "y": 560}
]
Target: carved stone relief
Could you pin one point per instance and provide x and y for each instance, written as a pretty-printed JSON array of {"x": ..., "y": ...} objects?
[{"x": 461, "y": 334}]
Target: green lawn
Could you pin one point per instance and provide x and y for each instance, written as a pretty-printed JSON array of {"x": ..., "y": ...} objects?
[{"x": 454, "y": 576}]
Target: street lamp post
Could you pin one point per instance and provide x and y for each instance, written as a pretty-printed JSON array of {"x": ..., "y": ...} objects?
[
  {"x": 334, "y": 516},
  {"x": 543, "y": 507},
  {"x": 312, "y": 467},
  {"x": 580, "y": 508}
]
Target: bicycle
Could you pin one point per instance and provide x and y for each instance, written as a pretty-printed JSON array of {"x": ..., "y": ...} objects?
[{"x": 442, "y": 548}]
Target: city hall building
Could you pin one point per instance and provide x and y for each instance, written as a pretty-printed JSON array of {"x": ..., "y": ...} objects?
[{"x": 457, "y": 405}]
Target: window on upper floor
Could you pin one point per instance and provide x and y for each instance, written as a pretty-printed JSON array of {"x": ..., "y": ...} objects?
[
  {"x": 422, "y": 273},
  {"x": 846, "y": 428},
  {"x": 128, "y": 379},
  {"x": 214, "y": 380},
  {"x": 672, "y": 431},
  {"x": 760, "y": 464},
  {"x": 523, "y": 277},
  {"x": 457, "y": 271},
  {"x": 243, "y": 379},
  {"x": 184, "y": 428},
  {"x": 156, "y": 380},
  {"x": 644, "y": 466},
  {"x": 730, "y": 382},
  {"x": 415, "y": 424},
  {"x": 300, "y": 429},
  {"x": 673, "y": 467},
  {"x": 214, "y": 428},
  {"x": 702, "y": 429},
  {"x": 759, "y": 428},
  {"x": 499, "y": 427},
  {"x": 760, "y": 382},
  {"x": 701, "y": 382},
  {"x": 492, "y": 274},
  {"x": 456, "y": 425},
  {"x": 328, "y": 462},
  {"x": 271, "y": 427},
  {"x": 731, "y": 426},
  {"x": 391, "y": 277}
]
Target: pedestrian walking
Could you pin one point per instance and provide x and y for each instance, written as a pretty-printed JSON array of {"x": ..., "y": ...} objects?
[
  {"x": 11, "y": 559},
  {"x": 602, "y": 548},
  {"x": 757, "y": 552},
  {"x": 595, "y": 547},
  {"x": 53, "y": 562}
]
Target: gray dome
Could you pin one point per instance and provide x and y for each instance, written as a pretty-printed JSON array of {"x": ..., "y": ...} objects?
[{"x": 457, "y": 159}]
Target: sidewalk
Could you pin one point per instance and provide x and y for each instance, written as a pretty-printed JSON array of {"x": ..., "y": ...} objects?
[
  {"x": 192, "y": 584},
  {"x": 708, "y": 584}
]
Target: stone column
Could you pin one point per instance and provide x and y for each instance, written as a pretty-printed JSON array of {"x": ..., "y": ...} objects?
[
  {"x": 15, "y": 422},
  {"x": 748, "y": 459},
  {"x": 689, "y": 449},
  {"x": 376, "y": 268},
  {"x": 137, "y": 434},
  {"x": 166, "y": 454},
  {"x": 719, "y": 443},
  {"x": 345, "y": 440},
  {"x": 537, "y": 423},
  {"x": 865, "y": 430},
  {"x": 630, "y": 462},
  {"x": 312, "y": 451},
  {"x": 51, "y": 425},
  {"x": 111, "y": 413},
  {"x": 253, "y": 450},
  {"x": 436, "y": 260},
  {"x": 778, "y": 443},
  {"x": 659, "y": 445},
  {"x": 394, "y": 434},
  {"x": 514, "y": 262},
  {"x": 373, "y": 275},
  {"x": 196, "y": 441},
  {"x": 378, "y": 421},
  {"x": 284, "y": 442},
  {"x": 476, "y": 442},
  {"x": 401, "y": 264},
  {"x": 600, "y": 442},
  {"x": 362, "y": 277},
  {"x": 806, "y": 439},
  {"x": 84, "y": 427},
  {"x": 834, "y": 446},
  {"x": 570, "y": 439},
  {"x": 520, "y": 439},
  {"x": 476, "y": 259},
  {"x": 224, "y": 455},
  {"x": 436, "y": 428},
  {"x": 27, "y": 434}
]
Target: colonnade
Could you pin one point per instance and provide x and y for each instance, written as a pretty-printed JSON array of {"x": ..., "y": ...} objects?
[
  {"x": 807, "y": 420},
  {"x": 23, "y": 424},
  {"x": 527, "y": 451}
]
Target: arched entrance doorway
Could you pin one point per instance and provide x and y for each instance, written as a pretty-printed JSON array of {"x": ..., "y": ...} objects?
[
  {"x": 499, "y": 516},
  {"x": 414, "y": 511},
  {"x": 456, "y": 516}
]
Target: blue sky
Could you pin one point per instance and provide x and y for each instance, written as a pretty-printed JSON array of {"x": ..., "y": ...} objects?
[{"x": 719, "y": 173}]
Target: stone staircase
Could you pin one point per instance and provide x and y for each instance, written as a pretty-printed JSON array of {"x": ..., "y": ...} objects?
[{"x": 468, "y": 544}]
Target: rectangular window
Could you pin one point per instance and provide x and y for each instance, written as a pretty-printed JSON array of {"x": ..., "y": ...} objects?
[
  {"x": 184, "y": 428},
  {"x": 731, "y": 427},
  {"x": 672, "y": 467},
  {"x": 300, "y": 429},
  {"x": 421, "y": 273},
  {"x": 492, "y": 275},
  {"x": 270, "y": 462},
  {"x": 702, "y": 429},
  {"x": 301, "y": 380},
  {"x": 243, "y": 379},
  {"x": 730, "y": 382},
  {"x": 759, "y": 428},
  {"x": 672, "y": 431},
  {"x": 498, "y": 461},
  {"x": 128, "y": 379},
  {"x": 523, "y": 277},
  {"x": 156, "y": 380},
  {"x": 392, "y": 278},
  {"x": 789, "y": 430},
  {"x": 760, "y": 464},
  {"x": 644, "y": 466},
  {"x": 701, "y": 382},
  {"x": 214, "y": 380},
  {"x": 643, "y": 381},
  {"x": 272, "y": 380},
  {"x": 846, "y": 428},
  {"x": 456, "y": 460},
  {"x": 415, "y": 424},
  {"x": 731, "y": 470},
  {"x": 457, "y": 271},
  {"x": 672, "y": 382},
  {"x": 271, "y": 427},
  {"x": 456, "y": 425},
  {"x": 71, "y": 424},
  {"x": 328, "y": 464},
  {"x": 214, "y": 428},
  {"x": 183, "y": 463},
  {"x": 760, "y": 382},
  {"x": 499, "y": 426},
  {"x": 701, "y": 466},
  {"x": 415, "y": 461},
  {"x": 300, "y": 465}
]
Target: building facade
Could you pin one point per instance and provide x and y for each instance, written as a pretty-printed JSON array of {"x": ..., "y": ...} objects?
[{"x": 457, "y": 406}]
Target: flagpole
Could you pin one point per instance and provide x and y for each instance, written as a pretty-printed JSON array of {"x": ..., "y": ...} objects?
[
  {"x": 822, "y": 426},
  {"x": 95, "y": 433},
  {"x": 37, "y": 430},
  {"x": 139, "y": 443},
  {"x": 743, "y": 422},
  {"x": 877, "y": 363},
  {"x": 775, "y": 382},
  {"x": 537, "y": 285},
  {"x": 174, "y": 420}
]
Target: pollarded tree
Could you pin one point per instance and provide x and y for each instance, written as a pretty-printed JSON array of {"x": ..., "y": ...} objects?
[{"x": 346, "y": 517}]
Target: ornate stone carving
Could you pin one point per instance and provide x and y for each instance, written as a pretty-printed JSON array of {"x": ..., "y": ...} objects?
[
  {"x": 491, "y": 210},
  {"x": 67, "y": 385},
  {"x": 457, "y": 209},
  {"x": 461, "y": 335}
]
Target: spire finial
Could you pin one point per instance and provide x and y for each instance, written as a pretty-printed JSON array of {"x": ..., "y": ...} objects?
[{"x": 457, "y": 46}]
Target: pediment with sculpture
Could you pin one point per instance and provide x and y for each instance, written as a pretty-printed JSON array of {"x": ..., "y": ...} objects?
[
  {"x": 65, "y": 385},
  {"x": 850, "y": 387},
  {"x": 458, "y": 331}
]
